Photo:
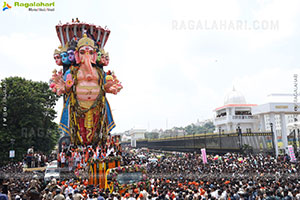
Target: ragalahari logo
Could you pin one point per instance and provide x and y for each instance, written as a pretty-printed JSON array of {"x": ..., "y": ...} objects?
[{"x": 6, "y": 6}]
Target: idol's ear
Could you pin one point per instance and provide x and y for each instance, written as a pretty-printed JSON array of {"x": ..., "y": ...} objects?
[
  {"x": 94, "y": 58},
  {"x": 77, "y": 57}
]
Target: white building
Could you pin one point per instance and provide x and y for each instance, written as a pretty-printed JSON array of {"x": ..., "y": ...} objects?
[
  {"x": 137, "y": 134},
  {"x": 280, "y": 115},
  {"x": 258, "y": 118},
  {"x": 235, "y": 113},
  {"x": 125, "y": 136}
]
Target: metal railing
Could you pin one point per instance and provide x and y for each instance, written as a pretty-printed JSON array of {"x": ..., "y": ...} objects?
[
  {"x": 244, "y": 117},
  {"x": 221, "y": 118}
]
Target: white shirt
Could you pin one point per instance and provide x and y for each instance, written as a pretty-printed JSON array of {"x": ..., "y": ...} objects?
[
  {"x": 145, "y": 194},
  {"x": 78, "y": 157},
  {"x": 62, "y": 157},
  {"x": 215, "y": 194},
  {"x": 68, "y": 190}
]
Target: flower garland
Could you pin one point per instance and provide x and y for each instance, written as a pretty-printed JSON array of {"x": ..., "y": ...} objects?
[
  {"x": 128, "y": 169},
  {"x": 107, "y": 159}
]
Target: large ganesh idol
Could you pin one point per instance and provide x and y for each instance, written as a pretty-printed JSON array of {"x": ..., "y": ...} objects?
[{"x": 86, "y": 115}]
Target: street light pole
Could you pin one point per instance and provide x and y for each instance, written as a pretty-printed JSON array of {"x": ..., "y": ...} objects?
[
  {"x": 275, "y": 146},
  {"x": 294, "y": 140},
  {"x": 12, "y": 146},
  {"x": 194, "y": 140},
  {"x": 220, "y": 138},
  {"x": 184, "y": 139},
  {"x": 239, "y": 132},
  {"x": 205, "y": 139},
  {"x": 298, "y": 137}
]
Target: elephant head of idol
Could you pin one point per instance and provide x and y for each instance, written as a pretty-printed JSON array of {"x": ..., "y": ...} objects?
[{"x": 85, "y": 56}]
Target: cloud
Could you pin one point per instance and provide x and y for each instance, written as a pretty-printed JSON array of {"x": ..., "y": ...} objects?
[
  {"x": 279, "y": 20},
  {"x": 257, "y": 87},
  {"x": 27, "y": 55}
]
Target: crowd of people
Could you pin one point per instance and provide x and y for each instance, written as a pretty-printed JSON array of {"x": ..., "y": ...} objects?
[
  {"x": 13, "y": 180},
  {"x": 231, "y": 176},
  {"x": 179, "y": 176},
  {"x": 34, "y": 159},
  {"x": 76, "y": 157}
]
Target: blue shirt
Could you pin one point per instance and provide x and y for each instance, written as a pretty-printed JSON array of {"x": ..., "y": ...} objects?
[
  {"x": 3, "y": 196},
  {"x": 100, "y": 198}
]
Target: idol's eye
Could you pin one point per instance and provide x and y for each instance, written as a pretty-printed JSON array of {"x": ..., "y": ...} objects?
[
  {"x": 82, "y": 52},
  {"x": 91, "y": 52}
]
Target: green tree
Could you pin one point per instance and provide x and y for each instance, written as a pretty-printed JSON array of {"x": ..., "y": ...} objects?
[
  {"x": 209, "y": 127},
  {"x": 191, "y": 129},
  {"x": 151, "y": 135},
  {"x": 27, "y": 112}
]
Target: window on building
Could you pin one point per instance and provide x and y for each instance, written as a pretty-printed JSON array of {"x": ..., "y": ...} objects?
[
  {"x": 221, "y": 114},
  {"x": 243, "y": 112}
]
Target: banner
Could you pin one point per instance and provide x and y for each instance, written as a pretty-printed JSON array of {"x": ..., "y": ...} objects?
[
  {"x": 291, "y": 153},
  {"x": 204, "y": 158},
  {"x": 11, "y": 153}
]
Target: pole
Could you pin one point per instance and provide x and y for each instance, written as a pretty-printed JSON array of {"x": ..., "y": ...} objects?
[
  {"x": 184, "y": 139},
  {"x": 298, "y": 137},
  {"x": 273, "y": 142},
  {"x": 220, "y": 138},
  {"x": 241, "y": 138},
  {"x": 12, "y": 146},
  {"x": 294, "y": 141},
  {"x": 205, "y": 139},
  {"x": 194, "y": 140},
  {"x": 240, "y": 131},
  {"x": 273, "y": 130}
]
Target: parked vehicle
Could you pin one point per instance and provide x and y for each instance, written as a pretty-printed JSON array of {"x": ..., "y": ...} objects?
[
  {"x": 53, "y": 164},
  {"x": 51, "y": 173}
]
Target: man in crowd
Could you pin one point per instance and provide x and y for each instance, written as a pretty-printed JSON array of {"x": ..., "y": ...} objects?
[
  {"x": 58, "y": 195},
  {"x": 4, "y": 193}
]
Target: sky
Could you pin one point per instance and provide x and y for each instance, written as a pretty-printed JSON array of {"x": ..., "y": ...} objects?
[{"x": 177, "y": 60}]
